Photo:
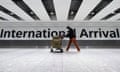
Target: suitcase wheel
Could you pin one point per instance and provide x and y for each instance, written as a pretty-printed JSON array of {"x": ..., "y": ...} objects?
[
  {"x": 51, "y": 50},
  {"x": 61, "y": 50}
]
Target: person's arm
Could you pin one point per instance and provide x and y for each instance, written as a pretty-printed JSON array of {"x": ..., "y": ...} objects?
[{"x": 67, "y": 35}]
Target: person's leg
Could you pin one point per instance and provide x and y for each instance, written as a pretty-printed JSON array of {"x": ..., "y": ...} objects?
[
  {"x": 69, "y": 43},
  {"x": 76, "y": 44}
]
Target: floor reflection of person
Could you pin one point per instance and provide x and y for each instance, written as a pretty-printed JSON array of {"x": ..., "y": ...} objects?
[{"x": 72, "y": 38}]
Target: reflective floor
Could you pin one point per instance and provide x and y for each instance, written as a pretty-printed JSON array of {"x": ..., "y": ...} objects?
[{"x": 41, "y": 60}]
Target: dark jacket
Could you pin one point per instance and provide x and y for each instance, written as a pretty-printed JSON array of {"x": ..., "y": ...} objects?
[{"x": 71, "y": 33}]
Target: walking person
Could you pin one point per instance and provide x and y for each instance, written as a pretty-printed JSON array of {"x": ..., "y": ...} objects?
[{"x": 72, "y": 38}]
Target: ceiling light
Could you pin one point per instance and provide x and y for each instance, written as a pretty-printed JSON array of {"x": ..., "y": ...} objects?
[
  {"x": 1, "y": 18},
  {"x": 111, "y": 14},
  {"x": 3, "y": 9},
  {"x": 49, "y": 6},
  {"x": 26, "y": 9},
  {"x": 98, "y": 8},
  {"x": 75, "y": 5}
]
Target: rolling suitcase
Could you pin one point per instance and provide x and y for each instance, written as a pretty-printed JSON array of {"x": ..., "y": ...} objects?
[{"x": 56, "y": 44}]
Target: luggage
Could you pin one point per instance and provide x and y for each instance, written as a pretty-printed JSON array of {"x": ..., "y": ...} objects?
[{"x": 56, "y": 44}]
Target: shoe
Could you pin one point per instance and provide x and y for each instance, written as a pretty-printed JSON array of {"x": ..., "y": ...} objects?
[
  {"x": 66, "y": 50},
  {"x": 78, "y": 50}
]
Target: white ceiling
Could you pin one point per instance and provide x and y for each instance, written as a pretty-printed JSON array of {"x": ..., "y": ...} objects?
[{"x": 61, "y": 8}]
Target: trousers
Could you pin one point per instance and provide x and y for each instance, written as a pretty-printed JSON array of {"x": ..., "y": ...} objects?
[{"x": 72, "y": 40}]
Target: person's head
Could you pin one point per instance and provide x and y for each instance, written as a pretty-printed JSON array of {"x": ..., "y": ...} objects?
[{"x": 68, "y": 27}]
